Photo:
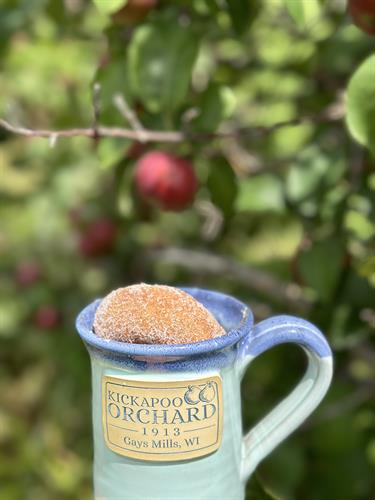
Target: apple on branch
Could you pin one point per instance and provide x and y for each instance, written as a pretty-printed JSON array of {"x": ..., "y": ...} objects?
[
  {"x": 133, "y": 12},
  {"x": 362, "y": 13},
  {"x": 167, "y": 180},
  {"x": 98, "y": 238}
]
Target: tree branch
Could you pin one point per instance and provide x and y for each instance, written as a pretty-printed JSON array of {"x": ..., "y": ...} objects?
[
  {"x": 129, "y": 115},
  {"x": 212, "y": 217},
  {"x": 334, "y": 113},
  {"x": 201, "y": 262},
  {"x": 150, "y": 135},
  {"x": 96, "y": 107}
]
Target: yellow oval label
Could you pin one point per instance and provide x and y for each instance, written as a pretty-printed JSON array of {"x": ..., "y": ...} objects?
[{"x": 162, "y": 421}]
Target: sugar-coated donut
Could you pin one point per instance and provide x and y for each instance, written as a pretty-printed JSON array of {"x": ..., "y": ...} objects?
[{"x": 154, "y": 314}]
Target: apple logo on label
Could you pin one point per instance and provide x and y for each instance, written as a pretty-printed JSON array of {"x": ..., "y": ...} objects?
[
  {"x": 192, "y": 395},
  {"x": 207, "y": 394}
]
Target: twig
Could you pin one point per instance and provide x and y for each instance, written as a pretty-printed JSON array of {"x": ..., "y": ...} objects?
[
  {"x": 202, "y": 262},
  {"x": 149, "y": 135},
  {"x": 170, "y": 136},
  {"x": 52, "y": 141},
  {"x": 243, "y": 162},
  {"x": 96, "y": 107},
  {"x": 212, "y": 219},
  {"x": 189, "y": 115},
  {"x": 129, "y": 115}
]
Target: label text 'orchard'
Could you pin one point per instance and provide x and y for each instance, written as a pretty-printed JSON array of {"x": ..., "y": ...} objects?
[{"x": 162, "y": 421}]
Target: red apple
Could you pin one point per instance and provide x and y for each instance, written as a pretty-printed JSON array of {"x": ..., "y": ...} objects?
[
  {"x": 133, "y": 12},
  {"x": 27, "y": 273},
  {"x": 98, "y": 238},
  {"x": 46, "y": 317},
  {"x": 363, "y": 14},
  {"x": 166, "y": 179}
]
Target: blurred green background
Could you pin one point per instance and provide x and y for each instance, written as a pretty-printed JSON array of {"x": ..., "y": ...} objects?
[{"x": 283, "y": 219}]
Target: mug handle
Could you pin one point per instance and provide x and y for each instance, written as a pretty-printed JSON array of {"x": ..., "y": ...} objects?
[{"x": 295, "y": 408}]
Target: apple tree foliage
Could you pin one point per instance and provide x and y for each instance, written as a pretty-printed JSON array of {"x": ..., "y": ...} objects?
[{"x": 294, "y": 203}]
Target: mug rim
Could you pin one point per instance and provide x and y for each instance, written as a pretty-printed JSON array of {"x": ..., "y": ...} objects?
[{"x": 85, "y": 321}]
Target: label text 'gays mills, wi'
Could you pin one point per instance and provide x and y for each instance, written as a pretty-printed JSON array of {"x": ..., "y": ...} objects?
[{"x": 162, "y": 421}]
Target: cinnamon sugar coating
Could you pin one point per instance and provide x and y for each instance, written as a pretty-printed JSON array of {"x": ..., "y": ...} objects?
[{"x": 154, "y": 314}]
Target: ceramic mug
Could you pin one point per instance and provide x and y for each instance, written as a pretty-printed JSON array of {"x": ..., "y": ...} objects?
[{"x": 167, "y": 418}]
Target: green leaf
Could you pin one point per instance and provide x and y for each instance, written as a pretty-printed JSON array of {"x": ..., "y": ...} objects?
[
  {"x": 125, "y": 200},
  {"x": 306, "y": 174},
  {"x": 360, "y": 225},
  {"x": 359, "y": 291},
  {"x": 12, "y": 313},
  {"x": 109, "y": 6},
  {"x": 111, "y": 150},
  {"x": 361, "y": 104},
  {"x": 161, "y": 59},
  {"x": 217, "y": 103},
  {"x": 223, "y": 187},
  {"x": 367, "y": 267},
  {"x": 263, "y": 193},
  {"x": 243, "y": 13},
  {"x": 304, "y": 12},
  {"x": 312, "y": 172},
  {"x": 113, "y": 79},
  {"x": 296, "y": 10},
  {"x": 257, "y": 491},
  {"x": 321, "y": 265}
]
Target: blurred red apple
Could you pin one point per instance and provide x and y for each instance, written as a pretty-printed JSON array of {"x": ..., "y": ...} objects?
[
  {"x": 27, "y": 273},
  {"x": 363, "y": 14},
  {"x": 46, "y": 317},
  {"x": 133, "y": 12},
  {"x": 166, "y": 179},
  {"x": 98, "y": 238}
]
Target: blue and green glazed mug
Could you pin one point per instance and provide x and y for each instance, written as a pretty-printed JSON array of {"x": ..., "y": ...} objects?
[{"x": 167, "y": 418}]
